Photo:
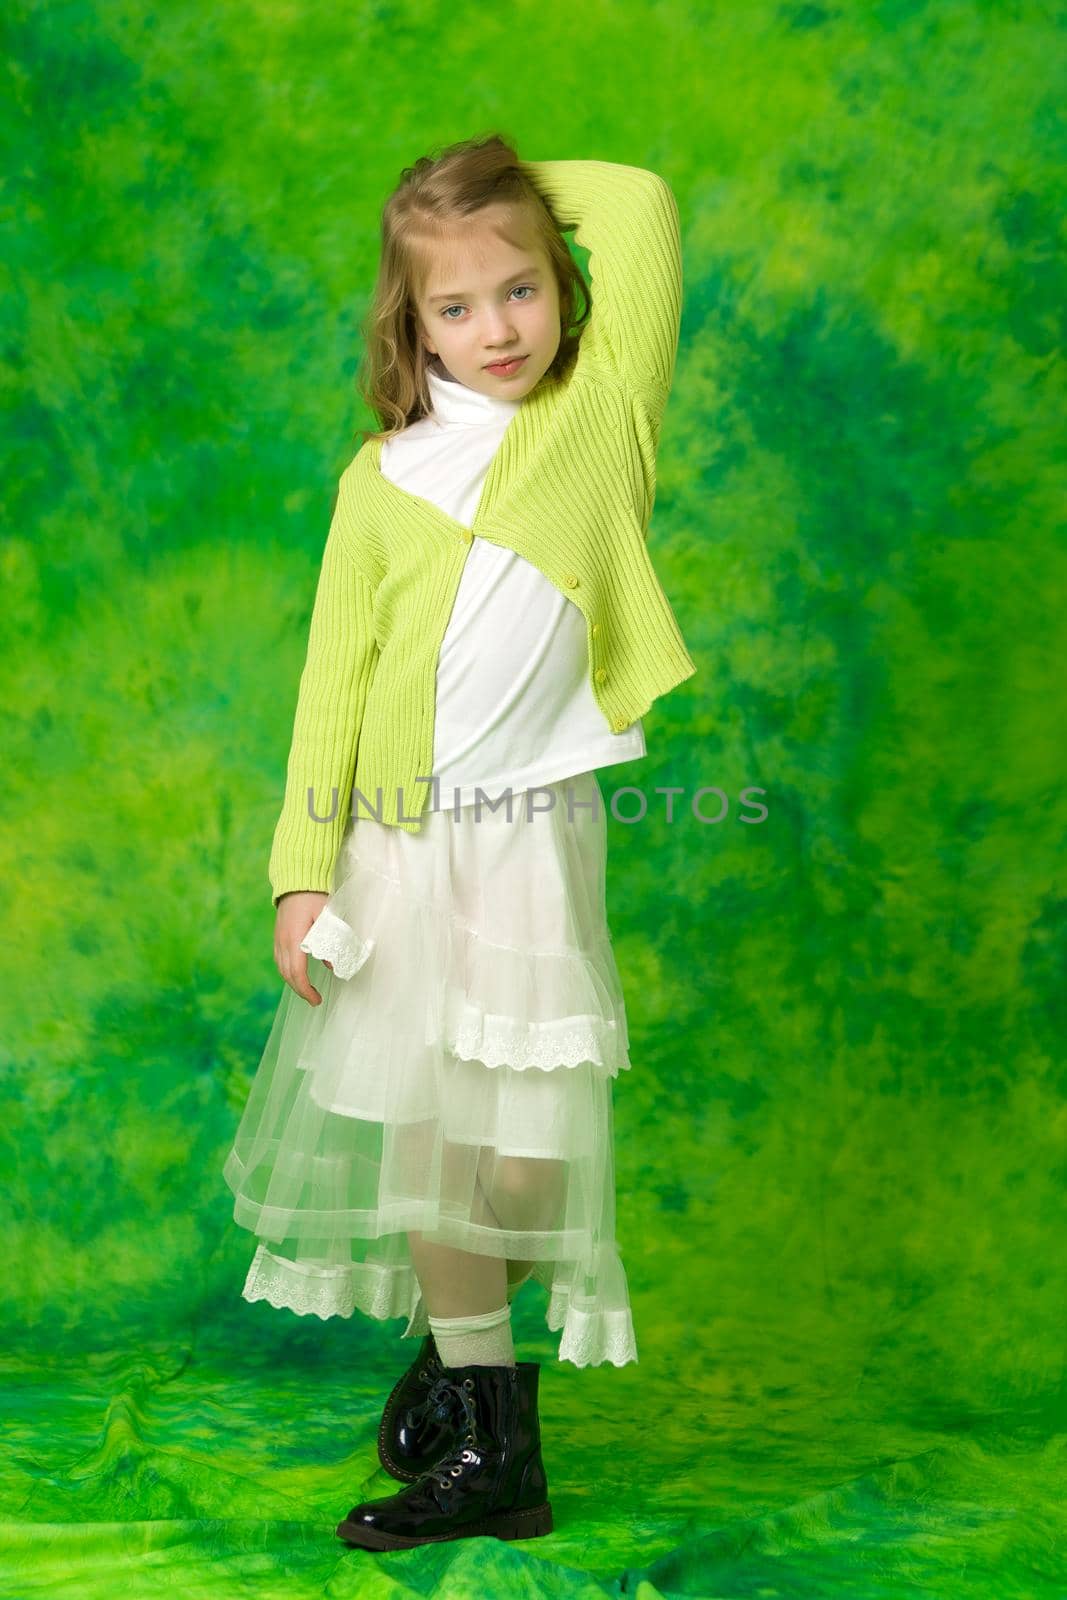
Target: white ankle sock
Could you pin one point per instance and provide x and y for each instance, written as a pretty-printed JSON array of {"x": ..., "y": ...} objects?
[{"x": 483, "y": 1341}]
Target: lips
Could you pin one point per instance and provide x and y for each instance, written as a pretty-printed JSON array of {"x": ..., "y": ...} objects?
[{"x": 503, "y": 369}]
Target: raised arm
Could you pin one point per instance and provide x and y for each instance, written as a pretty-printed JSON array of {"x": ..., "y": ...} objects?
[
  {"x": 627, "y": 218},
  {"x": 341, "y": 657}
]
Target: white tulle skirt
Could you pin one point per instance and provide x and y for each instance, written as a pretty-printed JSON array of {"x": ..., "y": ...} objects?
[{"x": 456, "y": 1078}]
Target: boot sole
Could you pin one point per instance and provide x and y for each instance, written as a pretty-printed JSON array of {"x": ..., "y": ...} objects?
[{"x": 528, "y": 1524}]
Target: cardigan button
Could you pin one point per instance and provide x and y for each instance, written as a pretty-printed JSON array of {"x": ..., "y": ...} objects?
[
  {"x": 595, "y": 626},
  {"x": 620, "y": 725},
  {"x": 571, "y": 581},
  {"x": 600, "y": 675}
]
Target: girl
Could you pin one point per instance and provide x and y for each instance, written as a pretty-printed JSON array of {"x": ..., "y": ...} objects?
[{"x": 431, "y": 1122}]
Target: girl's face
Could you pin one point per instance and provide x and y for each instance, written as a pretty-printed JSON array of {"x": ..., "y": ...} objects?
[{"x": 487, "y": 301}]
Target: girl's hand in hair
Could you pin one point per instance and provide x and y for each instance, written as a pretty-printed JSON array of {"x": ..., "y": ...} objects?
[{"x": 296, "y": 912}]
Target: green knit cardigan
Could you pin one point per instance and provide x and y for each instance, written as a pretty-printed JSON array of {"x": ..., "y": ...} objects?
[{"x": 570, "y": 488}]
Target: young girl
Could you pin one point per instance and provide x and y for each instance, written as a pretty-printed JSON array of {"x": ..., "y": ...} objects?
[{"x": 431, "y": 1122}]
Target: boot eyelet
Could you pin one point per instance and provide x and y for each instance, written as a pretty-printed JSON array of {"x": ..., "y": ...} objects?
[
  {"x": 468, "y": 1455},
  {"x": 455, "y": 1471},
  {"x": 468, "y": 1383},
  {"x": 423, "y": 1373}
]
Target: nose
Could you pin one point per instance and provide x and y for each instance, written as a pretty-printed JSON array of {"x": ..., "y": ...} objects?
[{"x": 498, "y": 331}]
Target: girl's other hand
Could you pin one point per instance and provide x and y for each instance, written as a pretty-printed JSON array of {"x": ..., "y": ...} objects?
[{"x": 296, "y": 912}]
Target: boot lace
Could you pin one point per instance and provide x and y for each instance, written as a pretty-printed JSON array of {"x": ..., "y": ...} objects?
[{"x": 460, "y": 1397}]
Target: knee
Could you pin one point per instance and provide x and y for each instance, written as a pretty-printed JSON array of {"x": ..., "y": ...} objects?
[{"x": 523, "y": 1180}]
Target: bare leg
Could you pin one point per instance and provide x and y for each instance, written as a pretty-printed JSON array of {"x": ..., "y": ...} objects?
[
  {"x": 460, "y": 1283},
  {"x": 524, "y": 1193},
  {"x": 516, "y": 1192},
  {"x": 457, "y": 1283}
]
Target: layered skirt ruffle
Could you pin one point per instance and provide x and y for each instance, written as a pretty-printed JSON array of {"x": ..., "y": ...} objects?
[{"x": 456, "y": 1078}]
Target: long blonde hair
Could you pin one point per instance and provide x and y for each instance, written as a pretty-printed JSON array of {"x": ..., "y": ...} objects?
[{"x": 434, "y": 197}]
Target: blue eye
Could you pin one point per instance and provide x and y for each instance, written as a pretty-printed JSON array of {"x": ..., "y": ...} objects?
[{"x": 530, "y": 288}]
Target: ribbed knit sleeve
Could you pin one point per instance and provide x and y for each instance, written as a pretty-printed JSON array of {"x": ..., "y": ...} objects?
[
  {"x": 627, "y": 218},
  {"x": 341, "y": 658}
]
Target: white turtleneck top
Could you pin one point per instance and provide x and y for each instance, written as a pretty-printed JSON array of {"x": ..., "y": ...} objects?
[{"x": 514, "y": 705}]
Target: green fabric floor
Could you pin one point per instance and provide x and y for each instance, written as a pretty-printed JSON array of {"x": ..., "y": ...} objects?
[
  {"x": 729, "y": 1470},
  {"x": 841, "y": 1150}
]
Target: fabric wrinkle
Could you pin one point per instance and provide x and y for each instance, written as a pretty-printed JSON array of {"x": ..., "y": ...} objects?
[{"x": 456, "y": 1078}]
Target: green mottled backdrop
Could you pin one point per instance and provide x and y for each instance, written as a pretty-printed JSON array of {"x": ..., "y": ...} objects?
[{"x": 841, "y": 1149}]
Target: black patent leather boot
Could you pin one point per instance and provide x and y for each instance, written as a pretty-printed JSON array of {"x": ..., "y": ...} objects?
[
  {"x": 414, "y": 1431},
  {"x": 491, "y": 1480}
]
